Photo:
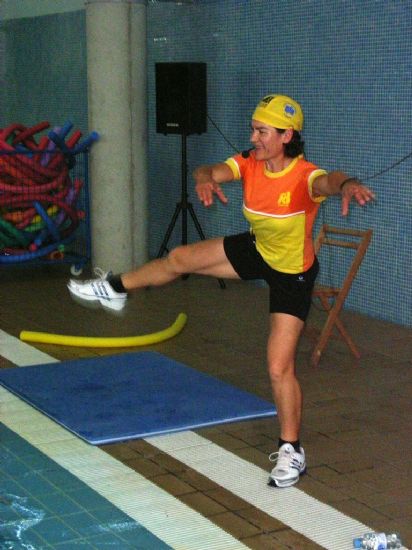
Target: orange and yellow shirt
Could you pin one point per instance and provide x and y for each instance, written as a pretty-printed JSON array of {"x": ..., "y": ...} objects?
[{"x": 280, "y": 209}]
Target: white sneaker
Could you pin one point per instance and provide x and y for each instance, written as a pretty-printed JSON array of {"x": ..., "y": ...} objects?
[
  {"x": 290, "y": 465},
  {"x": 98, "y": 290}
]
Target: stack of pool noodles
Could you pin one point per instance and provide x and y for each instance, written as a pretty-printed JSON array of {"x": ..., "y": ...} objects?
[{"x": 38, "y": 196}]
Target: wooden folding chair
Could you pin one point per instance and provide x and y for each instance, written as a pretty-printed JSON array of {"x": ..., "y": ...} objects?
[{"x": 332, "y": 299}]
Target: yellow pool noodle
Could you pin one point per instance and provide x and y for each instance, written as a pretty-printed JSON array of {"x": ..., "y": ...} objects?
[{"x": 106, "y": 342}]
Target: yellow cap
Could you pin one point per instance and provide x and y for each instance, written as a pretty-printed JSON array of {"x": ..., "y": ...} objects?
[{"x": 279, "y": 111}]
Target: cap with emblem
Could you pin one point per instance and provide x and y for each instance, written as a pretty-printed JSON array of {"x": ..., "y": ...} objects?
[{"x": 279, "y": 111}]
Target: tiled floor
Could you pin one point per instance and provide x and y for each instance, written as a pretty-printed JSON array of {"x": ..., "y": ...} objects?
[{"x": 356, "y": 428}]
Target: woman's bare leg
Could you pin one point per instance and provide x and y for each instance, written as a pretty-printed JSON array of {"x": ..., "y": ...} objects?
[{"x": 204, "y": 258}]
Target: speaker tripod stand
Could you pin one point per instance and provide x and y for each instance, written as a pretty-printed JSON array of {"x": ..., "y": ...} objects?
[{"x": 183, "y": 207}]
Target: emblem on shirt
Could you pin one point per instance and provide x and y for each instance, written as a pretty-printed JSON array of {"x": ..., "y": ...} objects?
[{"x": 284, "y": 199}]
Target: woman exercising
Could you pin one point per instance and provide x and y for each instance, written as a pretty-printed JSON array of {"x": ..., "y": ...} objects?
[{"x": 282, "y": 192}]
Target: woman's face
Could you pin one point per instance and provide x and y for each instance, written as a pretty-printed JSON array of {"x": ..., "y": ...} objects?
[{"x": 268, "y": 143}]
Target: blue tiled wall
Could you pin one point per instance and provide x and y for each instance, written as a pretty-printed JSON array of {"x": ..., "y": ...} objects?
[
  {"x": 44, "y": 70},
  {"x": 347, "y": 62}
]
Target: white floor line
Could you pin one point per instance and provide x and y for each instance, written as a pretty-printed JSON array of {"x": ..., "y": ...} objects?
[
  {"x": 162, "y": 514},
  {"x": 20, "y": 353},
  {"x": 315, "y": 520},
  {"x": 306, "y": 515}
]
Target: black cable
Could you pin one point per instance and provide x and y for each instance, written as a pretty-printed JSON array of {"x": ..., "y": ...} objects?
[
  {"x": 388, "y": 168},
  {"x": 223, "y": 135},
  {"x": 368, "y": 178}
]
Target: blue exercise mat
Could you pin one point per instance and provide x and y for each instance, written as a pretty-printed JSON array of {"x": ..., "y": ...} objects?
[{"x": 130, "y": 396}]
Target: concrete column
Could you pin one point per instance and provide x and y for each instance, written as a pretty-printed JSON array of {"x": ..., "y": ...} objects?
[
  {"x": 118, "y": 113},
  {"x": 138, "y": 67}
]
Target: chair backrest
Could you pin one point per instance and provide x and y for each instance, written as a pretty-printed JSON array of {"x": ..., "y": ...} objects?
[{"x": 345, "y": 238}]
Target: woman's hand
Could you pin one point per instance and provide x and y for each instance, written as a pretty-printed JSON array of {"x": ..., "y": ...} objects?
[
  {"x": 356, "y": 190},
  {"x": 338, "y": 183},
  {"x": 206, "y": 190},
  {"x": 208, "y": 179}
]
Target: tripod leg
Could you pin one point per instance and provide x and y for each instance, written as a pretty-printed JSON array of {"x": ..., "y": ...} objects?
[
  {"x": 196, "y": 221},
  {"x": 163, "y": 246},
  {"x": 201, "y": 234}
]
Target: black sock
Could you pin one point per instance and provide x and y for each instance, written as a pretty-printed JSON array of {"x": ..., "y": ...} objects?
[
  {"x": 295, "y": 444},
  {"x": 116, "y": 283}
]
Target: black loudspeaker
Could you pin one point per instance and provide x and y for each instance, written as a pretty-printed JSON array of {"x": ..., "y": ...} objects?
[{"x": 181, "y": 99}]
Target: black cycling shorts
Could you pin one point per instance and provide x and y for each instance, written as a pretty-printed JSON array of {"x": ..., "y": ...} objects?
[{"x": 289, "y": 293}]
